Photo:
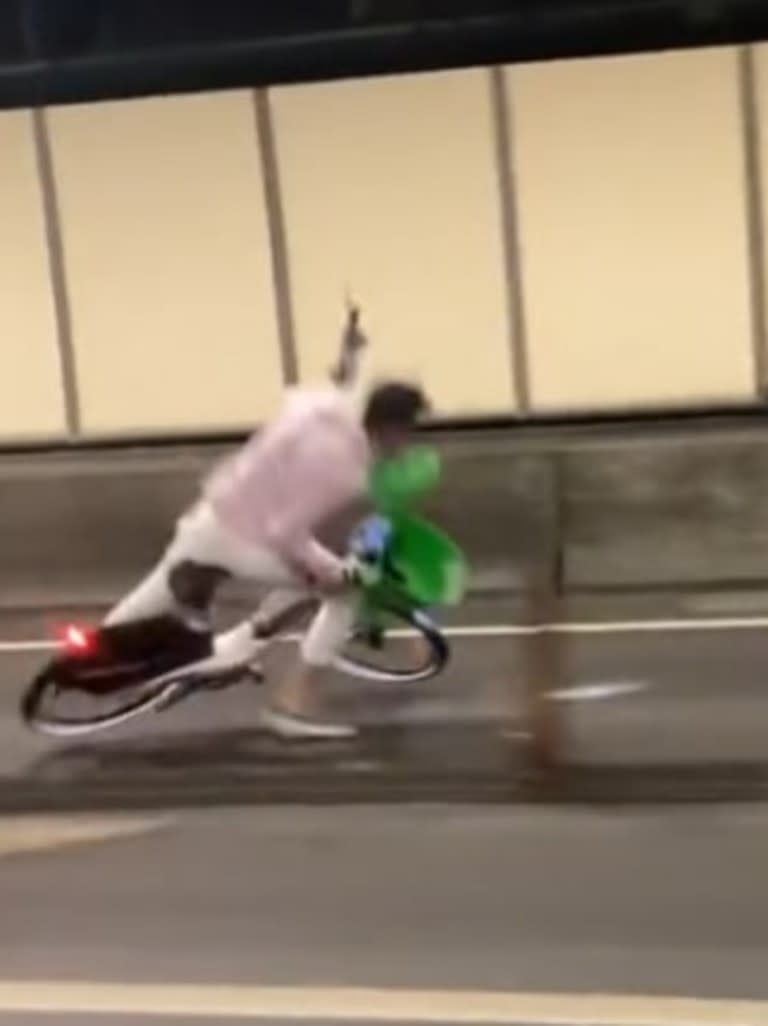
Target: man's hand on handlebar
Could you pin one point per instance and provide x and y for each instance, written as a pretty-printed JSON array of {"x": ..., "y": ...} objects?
[
  {"x": 340, "y": 574},
  {"x": 355, "y": 573},
  {"x": 360, "y": 572}
]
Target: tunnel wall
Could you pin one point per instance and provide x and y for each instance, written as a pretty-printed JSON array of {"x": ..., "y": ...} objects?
[{"x": 564, "y": 235}]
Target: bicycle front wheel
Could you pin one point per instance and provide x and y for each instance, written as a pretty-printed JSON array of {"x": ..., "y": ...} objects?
[{"x": 414, "y": 650}]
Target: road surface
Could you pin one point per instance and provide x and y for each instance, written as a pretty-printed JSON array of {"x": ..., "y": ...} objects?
[
  {"x": 631, "y": 697},
  {"x": 530, "y": 915},
  {"x": 640, "y": 698}
]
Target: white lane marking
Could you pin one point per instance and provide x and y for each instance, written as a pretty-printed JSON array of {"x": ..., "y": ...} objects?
[
  {"x": 29, "y": 833},
  {"x": 192, "y": 1001},
  {"x": 10, "y": 647},
  {"x": 606, "y": 627},
  {"x": 599, "y": 690},
  {"x": 512, "y": 630}
]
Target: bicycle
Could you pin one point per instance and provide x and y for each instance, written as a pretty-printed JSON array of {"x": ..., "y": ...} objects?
[{"x": 407, "y": 567}]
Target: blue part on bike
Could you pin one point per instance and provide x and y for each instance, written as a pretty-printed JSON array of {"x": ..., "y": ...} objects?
[{"x": 372, "y": 537}]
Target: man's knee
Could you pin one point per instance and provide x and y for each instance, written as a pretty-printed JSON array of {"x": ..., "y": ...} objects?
[{"x": 194, "y": 584}]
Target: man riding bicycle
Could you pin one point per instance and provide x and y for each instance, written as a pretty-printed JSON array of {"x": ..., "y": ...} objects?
[{"x": 257, "y": 517}]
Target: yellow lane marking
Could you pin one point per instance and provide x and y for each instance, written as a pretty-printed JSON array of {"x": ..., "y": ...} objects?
[
  {"x": 26, "y": 834},
  {"x": 363, "y": 1005}
]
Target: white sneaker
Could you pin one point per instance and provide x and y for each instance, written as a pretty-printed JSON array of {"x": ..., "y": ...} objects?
[{"x": 296, "y": 728}]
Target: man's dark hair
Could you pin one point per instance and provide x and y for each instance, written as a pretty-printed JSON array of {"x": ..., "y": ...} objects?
[{"x": 394, "y": 404}]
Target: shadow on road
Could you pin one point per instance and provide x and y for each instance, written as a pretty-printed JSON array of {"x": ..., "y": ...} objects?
[
  {"x": 385, "y": 764},
  {"x": 254, "y": 754}
]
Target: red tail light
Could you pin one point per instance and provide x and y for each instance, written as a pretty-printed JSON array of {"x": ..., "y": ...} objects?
[{"x": 77, "y": 640}]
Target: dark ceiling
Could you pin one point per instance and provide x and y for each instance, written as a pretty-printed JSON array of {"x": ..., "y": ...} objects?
[{"x": 59, "y": 51}]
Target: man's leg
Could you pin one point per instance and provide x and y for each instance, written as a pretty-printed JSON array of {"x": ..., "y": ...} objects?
[
  {"x": 295, "y": 699},
  {"x": 186, "y": 578},
  {"x": 151, "y": 597}
]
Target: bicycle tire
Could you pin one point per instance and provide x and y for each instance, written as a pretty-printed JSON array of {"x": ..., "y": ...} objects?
[
  {"x": 438, "y": 652},
  {"x": 139, "y": 699}
]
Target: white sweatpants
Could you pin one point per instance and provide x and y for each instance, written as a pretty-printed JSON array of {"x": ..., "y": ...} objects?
[{"x": 201, "y": 538}]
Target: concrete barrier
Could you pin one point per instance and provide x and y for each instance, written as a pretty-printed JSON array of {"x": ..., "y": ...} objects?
[
  {"x": 80, "y": 526},
  {"x": 684, "y": 510},
  {"x": 77, "y": 528}
]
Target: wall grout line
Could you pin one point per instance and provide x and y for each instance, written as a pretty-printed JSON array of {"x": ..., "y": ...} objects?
[
  {"x": 278, "y": 241},
  {"x": 57, "y": 269},
  {"x": 501, "y": 114},
  {"x": 753, "y": 197}
]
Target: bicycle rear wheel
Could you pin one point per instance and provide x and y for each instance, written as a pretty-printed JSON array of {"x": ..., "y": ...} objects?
[
  {"x": 413, "y": 649},
  {"x": 123, "y": 671},
  {"x": 43, "y": 708}
]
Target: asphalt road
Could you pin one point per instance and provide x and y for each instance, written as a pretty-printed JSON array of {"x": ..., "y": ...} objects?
[
  {"x": 668, "y": 696},
  {"x": 650, "y": 906},
  {"x": 689, "y": 700}
]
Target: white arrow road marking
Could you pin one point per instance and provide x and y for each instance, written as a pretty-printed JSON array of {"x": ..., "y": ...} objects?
[{"x": 599, "y": 690}]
